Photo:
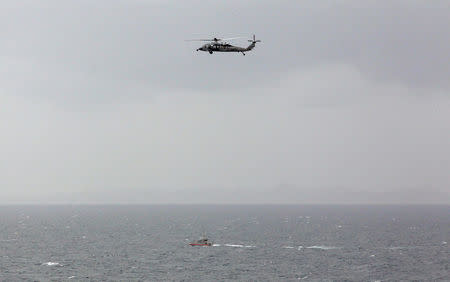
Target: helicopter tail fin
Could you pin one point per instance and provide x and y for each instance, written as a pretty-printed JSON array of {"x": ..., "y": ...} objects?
[{"x": 253, "y": 43}]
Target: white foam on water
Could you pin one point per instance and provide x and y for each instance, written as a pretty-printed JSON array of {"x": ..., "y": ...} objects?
[
  {"x": 287, "y": 247},
  {"x": 323, "y": 247},
  {"x": 71, "y": 277},
  {"x": 51, "y": 263},
  {"x": 249, "y": 246},
  {"x": 235, "y": 246},
  {"x": 372, "y": 256},
  {"x": 8, "y": 240},
  {"x": 216, "y": 245},
  {"x": 299, "y": 248},
  {"x": 444, "y": 243}
]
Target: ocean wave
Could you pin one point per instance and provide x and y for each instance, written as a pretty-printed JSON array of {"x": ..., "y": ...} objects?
[
  {"x": 8, "y": 240},
  {"x": 397, "y": 248},
  {"x": 323, "y": 247},
  {"x": 51, "y": 263}
]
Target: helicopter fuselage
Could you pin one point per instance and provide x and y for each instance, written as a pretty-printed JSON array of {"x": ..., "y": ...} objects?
[
  {"x": 214, "y": 47},
  {"x": 220, "y": 47}
]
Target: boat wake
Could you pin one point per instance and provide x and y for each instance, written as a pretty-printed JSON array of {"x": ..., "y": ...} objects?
[
  {"x": 239, "y": 246},
  {"x": 312, "y": 247}
]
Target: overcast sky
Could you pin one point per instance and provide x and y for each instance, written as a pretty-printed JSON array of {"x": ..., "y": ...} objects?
[{"x": 342, "y": 102}]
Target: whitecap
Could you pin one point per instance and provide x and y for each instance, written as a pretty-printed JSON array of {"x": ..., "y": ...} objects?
[
  {"x": 8, "y": 240},
  {"x": 322, "y": 247},
  {"x": 216, "y": 245},
  {"x": 51, "y": 263},
  {"x": 249, "y": 246},
  {"x": 287, "y": 247},
  {"x": 444, "y": 243},
  {"x": 71, "y": 277},
  {"x": 299, "y": 248}
]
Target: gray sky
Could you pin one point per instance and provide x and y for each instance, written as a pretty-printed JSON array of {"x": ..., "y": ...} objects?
[{"x": 342, "y": 102}]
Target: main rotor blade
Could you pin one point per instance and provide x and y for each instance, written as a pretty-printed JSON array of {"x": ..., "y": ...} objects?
[
  {"x": 231, "y": 38},
  {"x": 199, "y": 40},
  {"x": 215, "y": 39}
]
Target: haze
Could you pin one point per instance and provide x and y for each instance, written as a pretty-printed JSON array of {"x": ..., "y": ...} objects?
[{"x": 343, "y": 102}]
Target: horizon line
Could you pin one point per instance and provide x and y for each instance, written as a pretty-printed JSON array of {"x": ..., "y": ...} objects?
[{"x": 219, "y": 204}]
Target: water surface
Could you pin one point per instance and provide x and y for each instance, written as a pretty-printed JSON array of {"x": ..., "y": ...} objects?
[{"x": 251, "y": 243}]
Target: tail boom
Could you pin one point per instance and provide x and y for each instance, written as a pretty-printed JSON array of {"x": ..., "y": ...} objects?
[{"x": 253, "y": 43}]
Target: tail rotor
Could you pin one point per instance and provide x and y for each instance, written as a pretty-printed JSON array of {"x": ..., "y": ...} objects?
[{"x": 254, "y": 40}]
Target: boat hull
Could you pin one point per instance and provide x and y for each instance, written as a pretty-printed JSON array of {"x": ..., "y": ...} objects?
[{"x": 195, "y": 244}]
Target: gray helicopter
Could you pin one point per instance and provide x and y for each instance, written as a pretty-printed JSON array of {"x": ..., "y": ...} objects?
[{"x": 220, "y": 45}]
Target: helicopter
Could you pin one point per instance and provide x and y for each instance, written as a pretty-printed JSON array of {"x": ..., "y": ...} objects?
[{"x": 220, "y": 45}]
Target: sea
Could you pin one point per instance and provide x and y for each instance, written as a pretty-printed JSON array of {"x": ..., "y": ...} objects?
[{"x": 250, "y": 243}]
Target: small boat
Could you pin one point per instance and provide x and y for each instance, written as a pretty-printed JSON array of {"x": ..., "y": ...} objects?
[{"x": 201, "y": 242}]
